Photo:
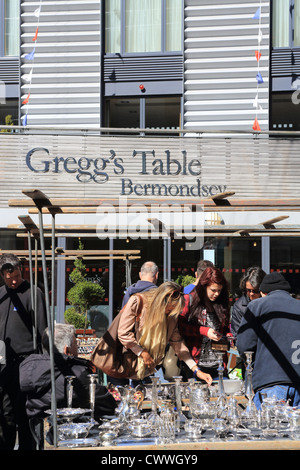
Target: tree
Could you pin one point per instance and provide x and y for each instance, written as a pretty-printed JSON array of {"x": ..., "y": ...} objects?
[
  {"x": 8, "y": 122},
  {"x": 82, "y": 296}
]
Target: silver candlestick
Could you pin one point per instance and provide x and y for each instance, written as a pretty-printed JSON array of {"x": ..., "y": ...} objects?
[
  {"x": 92, "y": 388},
  {"x": 70, "y": 379}
]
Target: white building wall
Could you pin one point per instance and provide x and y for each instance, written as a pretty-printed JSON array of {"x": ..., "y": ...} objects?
[
  {"x": 221, "y": 67},
  {"x": 65, "y": 83}
]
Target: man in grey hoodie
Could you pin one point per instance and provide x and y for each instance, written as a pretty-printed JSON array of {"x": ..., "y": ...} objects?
[{"x": 148, "y": 279}]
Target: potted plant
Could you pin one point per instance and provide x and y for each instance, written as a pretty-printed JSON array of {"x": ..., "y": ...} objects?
[{"x": 82, "y": 296}]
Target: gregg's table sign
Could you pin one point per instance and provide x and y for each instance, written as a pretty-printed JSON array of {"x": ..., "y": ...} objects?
[
  {"x": 100, "y": 170},
  {"x": 90, "y": 166}
]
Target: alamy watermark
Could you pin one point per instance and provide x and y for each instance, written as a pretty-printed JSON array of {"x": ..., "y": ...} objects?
[{"x": 152, "y": 221}]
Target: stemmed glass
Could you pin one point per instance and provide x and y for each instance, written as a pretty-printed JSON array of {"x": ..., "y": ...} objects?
[
  {"x": 250, "y": 413},
  {"x": 154, "y": 418},
  {"x": 222, "y": 401}
]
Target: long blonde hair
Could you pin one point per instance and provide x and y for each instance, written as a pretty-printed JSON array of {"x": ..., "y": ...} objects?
[{"x": 154, "y": 332}]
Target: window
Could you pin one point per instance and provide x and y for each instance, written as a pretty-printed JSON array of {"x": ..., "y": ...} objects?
[
  {"x": 11, "y": 27},
  {"x": 143, "y": 26},
  {"x": 151, "y": 113},
  {"x": 286, "y": 23}
]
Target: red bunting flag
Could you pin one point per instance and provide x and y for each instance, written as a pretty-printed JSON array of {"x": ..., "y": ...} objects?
[
  {"x": 36, "y": 34},
  {"x": 26, "y": 100},
  {"x": 256, "y": 126},
  {"x": 257, "y": 55}
]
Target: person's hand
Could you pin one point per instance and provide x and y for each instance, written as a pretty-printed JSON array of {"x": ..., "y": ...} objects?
[
  {"x": 148, "y": 361},
  {"x": 214, "y": 335},
  {"x": 203, "y": 376}
]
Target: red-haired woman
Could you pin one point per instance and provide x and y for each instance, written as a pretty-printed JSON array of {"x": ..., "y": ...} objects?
[{"x": 205, "y": 318}]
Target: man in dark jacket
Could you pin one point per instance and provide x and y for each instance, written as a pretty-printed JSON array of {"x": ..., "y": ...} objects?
[
  {"x": 270, "y": 328},
  {"x": 17, "y": 333},
  {"x": 35, "y": 377},
  {"x": 148, "y": 279}
]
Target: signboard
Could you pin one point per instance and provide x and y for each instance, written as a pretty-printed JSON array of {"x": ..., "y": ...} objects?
[{"x": 137, "y": 167}]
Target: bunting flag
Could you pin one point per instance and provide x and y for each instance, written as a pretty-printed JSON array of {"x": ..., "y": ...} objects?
[
  {"x": 24, "y": 120},
  {"x": 259, "y": 78},
  {"x": 256, "y": 103},
  {"x": 257, "y": 14},
  {"x": 256, "y": 126},
  {"x": 28, "y": 77},
  {"x": 37, "y": 12},
  {"x": 27, "y": 99},
  {"x": 36, "y": 34},
  {"x": 30, "y": 56},
  {"x": 257, "y": 55}
]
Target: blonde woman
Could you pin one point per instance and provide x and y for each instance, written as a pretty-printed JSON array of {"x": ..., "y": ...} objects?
[{"x": 156, "y": 327}]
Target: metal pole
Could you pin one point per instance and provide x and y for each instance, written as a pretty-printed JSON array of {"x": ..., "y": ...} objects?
[
  {"x": 61, "y": 283},
  {"x": 53, "y": 272},
  {"x": 32, "y": 294},
  {"x": 50, "y": 330},
  {"x": 111, "y": 285},
  {"x": 265, "y": 254}
]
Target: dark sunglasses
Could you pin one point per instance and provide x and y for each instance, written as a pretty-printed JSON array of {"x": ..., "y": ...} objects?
[
  {"x": 174, "y": 296},
  {"x": 252, "y": 291}
]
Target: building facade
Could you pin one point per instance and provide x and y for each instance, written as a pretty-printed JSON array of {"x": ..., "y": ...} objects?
[{"x": 171, "y": 99}]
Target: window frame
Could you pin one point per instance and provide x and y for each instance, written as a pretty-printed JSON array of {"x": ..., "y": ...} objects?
[{"x": 163, "y": 50}]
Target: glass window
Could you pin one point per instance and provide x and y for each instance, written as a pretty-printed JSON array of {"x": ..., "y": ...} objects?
[
  {"x": 173, "y": 25},
  {"x": 11, "y": 27},
  {"x": 162, "y": 112},
  {"x": 158, "y": 113},
  {"x": 286, "y": 23},
  {"x": 113, "y": 26},
  {"x": 297, "y": 23},
  {"x": 285, "y": 257},
  {"x": 143, "y": 26},
  {"x": 123, "y": 113}
]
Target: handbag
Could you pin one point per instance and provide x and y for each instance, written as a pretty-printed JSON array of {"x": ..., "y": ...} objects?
[
  {"x": 110, "y": 356},
  {"x": 170, "y": 364}
]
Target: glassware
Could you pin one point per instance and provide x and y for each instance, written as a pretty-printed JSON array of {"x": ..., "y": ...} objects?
[
  {"x": 154, "y": 418},
  {"x": 168, "y": 423},
  {"x": 250, "y": 414},
  {"x": 220, "y": 428},
  {"x": 181, "y": 418},
  {"x": 233, "y": 413},
  {"x": 193, "y": 428},
  {"x": 294, "y": 423},
  {"x": 222, "y": 400}
]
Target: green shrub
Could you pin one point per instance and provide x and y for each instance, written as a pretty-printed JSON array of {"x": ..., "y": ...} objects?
[
  {"x": 185, "y": 280},
  {"x": 82, "y": 296},
  {"x": 72, "y": 317}
]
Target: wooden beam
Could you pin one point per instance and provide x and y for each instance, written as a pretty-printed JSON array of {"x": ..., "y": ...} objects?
[{"x": 270, "y": 223}]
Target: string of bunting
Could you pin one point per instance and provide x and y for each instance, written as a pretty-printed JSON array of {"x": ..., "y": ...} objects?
[
  {"x": 259, "y": 79},
  {"x": 30, "y": 57}
]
